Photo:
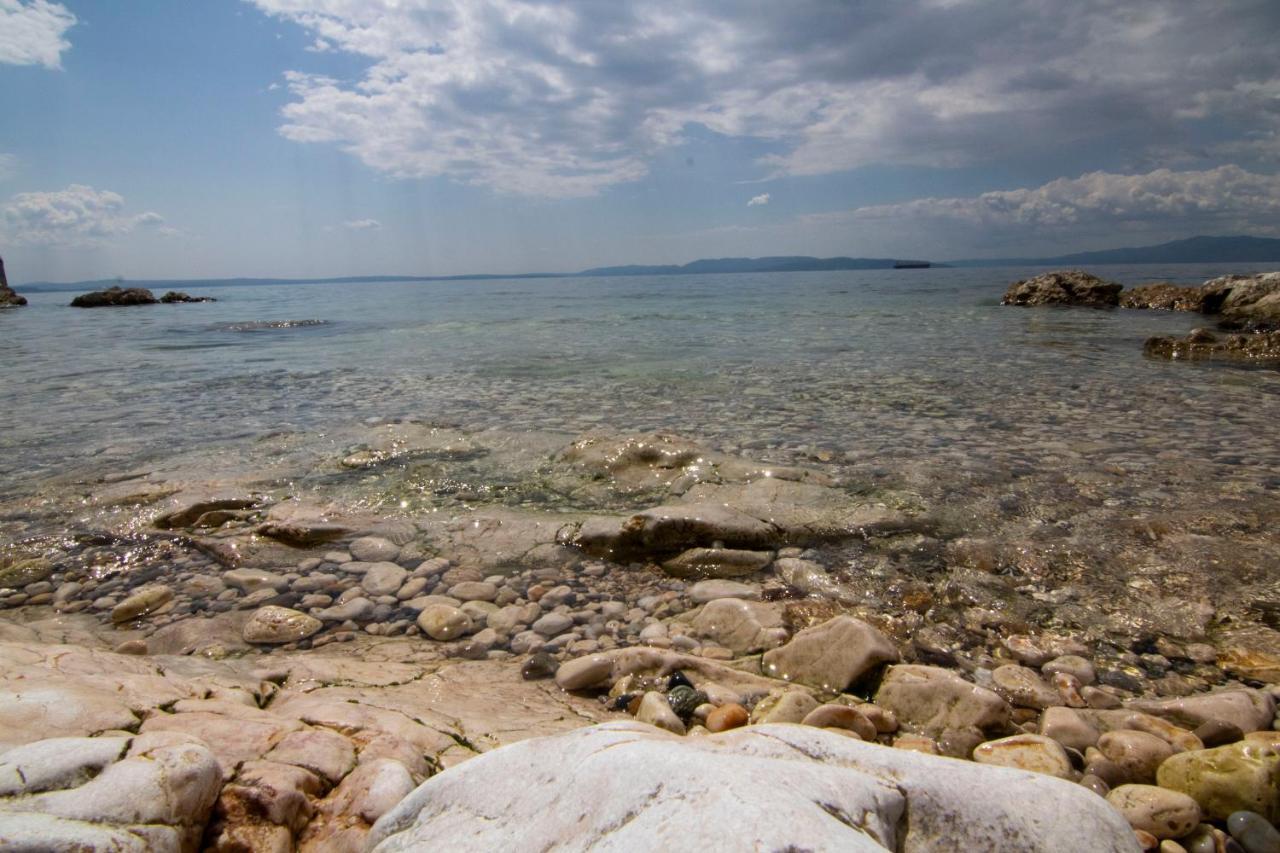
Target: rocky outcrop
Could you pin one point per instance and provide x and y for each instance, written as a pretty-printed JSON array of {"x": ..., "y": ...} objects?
[
  {"x": 1244, "y": 299},
  {"x": 1164, "y": 296},
  {"x": 8, "y": 299},
  {"x": 178, "y": 296},
  {"x": 1069, "y": 287},
  {"x": 115, "y": 297},
  {"x": 774, "y": 787},
  {"x": 1204, "y": 345}
]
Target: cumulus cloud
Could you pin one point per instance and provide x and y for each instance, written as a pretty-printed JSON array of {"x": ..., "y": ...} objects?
[
  {"x": 763, "y": 198},
  {"x": 1098, "y": 209},
  {"x": 362, "y": 225},
  {"x": 32, "y": 33},
  {"x": 77, "y": 217},
  {"x": 568, "y": 99}
]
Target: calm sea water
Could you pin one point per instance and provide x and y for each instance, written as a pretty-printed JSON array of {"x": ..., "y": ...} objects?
[{"x": 872, "y": 369}]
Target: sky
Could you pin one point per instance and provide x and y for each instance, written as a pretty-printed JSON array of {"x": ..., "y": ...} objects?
[{"x": 299, "y": 138}]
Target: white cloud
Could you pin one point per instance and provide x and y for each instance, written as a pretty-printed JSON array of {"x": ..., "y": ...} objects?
[
  {"x": 362, "y": 225},
  {"x": 571, "y": 98},
  {"x": 1099, "y": 209},
  {"x": 76, "y": 217},
  {"x": 763, "y": 198},
  {"x": 32, "y": 32}
]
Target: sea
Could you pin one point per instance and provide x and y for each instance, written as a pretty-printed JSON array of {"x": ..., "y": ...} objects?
[{"x": 1007, "y": 421}]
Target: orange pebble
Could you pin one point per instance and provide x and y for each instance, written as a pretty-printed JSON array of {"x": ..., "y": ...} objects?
[{"x": 726, "y": 717}]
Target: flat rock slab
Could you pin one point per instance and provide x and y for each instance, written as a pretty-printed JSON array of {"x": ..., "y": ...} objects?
[{"x": 777, "y": 787}]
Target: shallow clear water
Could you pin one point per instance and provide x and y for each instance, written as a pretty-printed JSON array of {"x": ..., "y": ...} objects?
[{"x": 852, "y": 362}]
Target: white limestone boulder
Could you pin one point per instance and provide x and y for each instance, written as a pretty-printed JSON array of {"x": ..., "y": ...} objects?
[{"x": 628, "y": 786}]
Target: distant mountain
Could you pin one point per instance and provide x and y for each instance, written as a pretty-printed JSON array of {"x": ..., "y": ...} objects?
[
  {"x": 1193, "y": 250},
  {"x": 790, "y": 263}
]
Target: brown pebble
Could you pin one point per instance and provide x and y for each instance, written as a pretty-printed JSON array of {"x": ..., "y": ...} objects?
[
  {"x": 840, "y": 717},
  {"x": 727, "y": 717},
  {"x": 132, "y": 647},
  {"x": 1218, "y": 733},
  {"x": 633, "y": 706},
  {"x": 1146, "y": 840}
]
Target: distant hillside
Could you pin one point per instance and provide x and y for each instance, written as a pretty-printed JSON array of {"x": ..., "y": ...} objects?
[
  {"x": 1193, "y": 250},
  {"x": 791, "y": 263}
]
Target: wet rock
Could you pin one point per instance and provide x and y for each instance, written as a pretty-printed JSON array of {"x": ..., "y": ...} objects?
[
  {"x": 1248, "y": 710},
  {"x": 1254, "y": 832},
  {"x": 1068, "y": 728},
  {"x": 1218, "y": 733},
  {"x": 783, "y": 705},
  {"x": 358, "y": 609},
  {"x": 383, "y": 578},
  {"x": 474, "y": 591},
  {"x": 542, "y": 665},
  {"x": 741, "y": 626},
  {"x": 1243, "y": 776},
  {"x": 684, "y": 700},
  {"x": 274, "y": 625},
  {"x": 1073, "y": 665},
  {"x": 1069, "y": 287},
  {"x": 674, "y": 528},
  {"x": 17, "y": 573},
  {"x": 716, "y": 799},
  {"x": 837, "y": 716},
  {"x": 703, "y": 592},
  {"x": 552, "y": 624},
  {"x": 656, "y": 711},
  {"x": 1159, "y": 811},
  {"x": 374, "y": 549},
  {"x": 1163, "y": 296},
  {"x": 1249, "y": 347},
  {"x": 931, "y": 701},
  {"x": 442, "y": 622},
  {"x": 8, "y": 299},
  {"x": 177, "y": 296},
  {"x": 832, "y": 655},
  {"x": 1036, "y": 753},
  {"x": 725, "y": 717},
  {"x": 252, "y": 580},
  {"x": 585, "y": 672},
  {"x": 1137, "y": 754},
  {"x": 1244, "y": 298},
  {"x": 1022, "y": 686},
  {"x": 114, "y": 297},
  {"x": 143, "y": 602},
  {"x": 717, "y": 563},
  {"x": 301, "y": 532}
]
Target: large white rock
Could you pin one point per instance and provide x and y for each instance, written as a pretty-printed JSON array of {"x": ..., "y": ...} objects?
[
  {"x": 628, "y": 786},
  {"x": 161, "y": 790}
]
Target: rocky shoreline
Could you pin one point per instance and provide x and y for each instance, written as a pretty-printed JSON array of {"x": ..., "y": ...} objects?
[
  {"x": 1247, "y": 305},
  {"x": 322, "y": 660}
]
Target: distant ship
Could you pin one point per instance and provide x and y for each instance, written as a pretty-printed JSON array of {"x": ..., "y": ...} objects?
[{"x": 911, "y": 265}]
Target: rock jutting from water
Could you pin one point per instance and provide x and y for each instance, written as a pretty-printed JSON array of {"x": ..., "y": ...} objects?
[
  {"x": 8, "y": 298},
  {"x": 115, "y": 297},
  {"x": 1068, "y": 287}
]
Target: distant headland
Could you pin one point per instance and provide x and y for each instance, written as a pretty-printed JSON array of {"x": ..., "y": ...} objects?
[{"x": 1206, "y": 250}]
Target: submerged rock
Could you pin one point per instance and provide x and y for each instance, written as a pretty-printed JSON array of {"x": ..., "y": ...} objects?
[
  {"x": 178, "y": 296},
  {"x": 1069, "y": 287},
  {"x": 1204, "y": 345},
  {"x": 115, "y": 297},
  {"x": 274, "y": 625},
  {"x": 717, "y": 563},
  {"x": 1243, "y": 776},
  {"x": 831, "y": 656},
  {"x": 825, "y": 791}
]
